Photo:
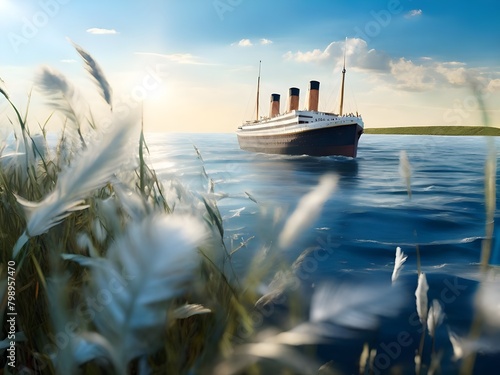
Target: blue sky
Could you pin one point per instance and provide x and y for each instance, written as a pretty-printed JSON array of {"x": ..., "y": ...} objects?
[{"x": 194, "y": 62}]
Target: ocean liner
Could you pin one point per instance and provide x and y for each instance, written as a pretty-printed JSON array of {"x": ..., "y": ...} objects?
[{"x": 302, "y": 132}]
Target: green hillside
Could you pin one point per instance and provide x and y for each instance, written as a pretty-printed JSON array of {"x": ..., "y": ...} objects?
[{"x": 437, "y": 130}]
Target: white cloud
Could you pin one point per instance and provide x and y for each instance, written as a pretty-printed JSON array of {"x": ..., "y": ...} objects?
[
  {"x": 310, "y": 56},
  {"x": 493, "y": 85},
  {"x": 179, "y": 58},
  {"x": 98, "y": 31},
  {"x": 411, "y": 77},
  {"x": 245, "y": 43},
  {"x": 399, "y": 72},
  {"x": 68, "y": 61},
  {"x": 248, "y": 43},
  {"x": 414, "y": 13},
  {"x": 457, "y": 76},
  {"x": 182, "y": 58},
  {"x": 357, "y": 54}
]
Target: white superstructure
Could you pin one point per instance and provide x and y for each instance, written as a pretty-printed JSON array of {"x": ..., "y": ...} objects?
[{"x": 297, "y": 121}]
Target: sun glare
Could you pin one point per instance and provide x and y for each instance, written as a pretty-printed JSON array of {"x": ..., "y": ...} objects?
[
  {"x": 4, "y": 5},
  {"x": 8, "y": 8}
]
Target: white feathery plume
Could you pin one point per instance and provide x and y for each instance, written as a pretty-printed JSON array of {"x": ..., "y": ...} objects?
[
  {"x": 17, "y": 162},
  {"x": 435, "y": 318},
  {"x": 340, "y": 310},
  {"x": 144, "y": 271},
  {"x": 363, "y": 358},
  {"x": 89, "y": 347},
  {"x": 418, "y": 363},
  {"x": 131, "y": 202},
  {"x": 97, "y": 74},
  {"x": 99, "y": 231},
  {"x": 246, "y": 355},
  {"x": 62, "y": 93},
  {"x": 371, "y": 360},
  {"x": 355, "y": 306},
  {"x": 277, "y": 287},
  {"x": 488, "y": 343},
  {"x": 189, "y": 310},
  {"x": 94, "y": 167},
  {"x": 107, "y": 212},
  {"x": 308, "y": 209},
  {"x": 458, "y": 348},
  {"x": 85, "y": 243},
  {"x": 421, "y": 296},
  {"x": 487, "y": 301},
  {"x": 405, "y": 170},
  {"x": 398, "y": 263}
]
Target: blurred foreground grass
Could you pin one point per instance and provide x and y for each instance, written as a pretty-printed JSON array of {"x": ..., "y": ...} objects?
[
  {"x": 106, "y": 270},
  {"x": 109, "y": 271}
]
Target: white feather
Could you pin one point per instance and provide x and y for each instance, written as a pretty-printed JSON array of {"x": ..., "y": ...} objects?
[
  {"x": 339, "y": 311},
  {"x": 421, "y": 297},
  {"x": 189, "y": 310},
  {"x": 398, "y": 263},
  {"x": 145, "y": 269},
  {"x": 436, "y": 316},
  {"x": 308, "y": 209},
  {"x": 63, "y": 95},
  {"x": 358, "y": 306},
  {"x": 405, "y": 170},
  {"x": 488, "y": 343},
  {"x": 94, "y": 167},
  {"x": 487, "y": 301},
  {"x": 97, "y": 74}
]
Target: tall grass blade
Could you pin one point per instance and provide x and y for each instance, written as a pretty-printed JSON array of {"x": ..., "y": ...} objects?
[
  {"x": 490, "y": 205},
  {"x": 251, "y": 197},
  {"x": 3, "y": 90},
  {"x": 490, "y": 169}
]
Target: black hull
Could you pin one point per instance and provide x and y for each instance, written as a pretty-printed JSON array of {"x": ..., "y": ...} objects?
[{"x": 335, "y": 140}]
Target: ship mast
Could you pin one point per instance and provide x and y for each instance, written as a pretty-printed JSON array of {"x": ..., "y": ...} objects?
[
  {"x": 258, "y": 94},
  {"x": 343, "y": 79}
]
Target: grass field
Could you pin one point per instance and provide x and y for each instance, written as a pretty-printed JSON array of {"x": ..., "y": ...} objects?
[{"x": 437, "y": 130}]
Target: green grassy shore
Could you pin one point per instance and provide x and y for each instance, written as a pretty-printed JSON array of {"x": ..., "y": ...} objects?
[{"x": 437, "y": 130}]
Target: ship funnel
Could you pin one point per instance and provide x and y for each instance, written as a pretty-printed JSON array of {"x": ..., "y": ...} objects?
[
  {"x": 293, "y": 99},
  {"x": 274, "y": 109},
  {"x": 313, "y": 96}
]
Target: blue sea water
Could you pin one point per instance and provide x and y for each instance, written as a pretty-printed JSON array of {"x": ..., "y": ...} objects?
[{"x": 354, "y": 239}]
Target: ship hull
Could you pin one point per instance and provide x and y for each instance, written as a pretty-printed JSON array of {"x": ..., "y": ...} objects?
[{"x": 335, "y": 140}]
